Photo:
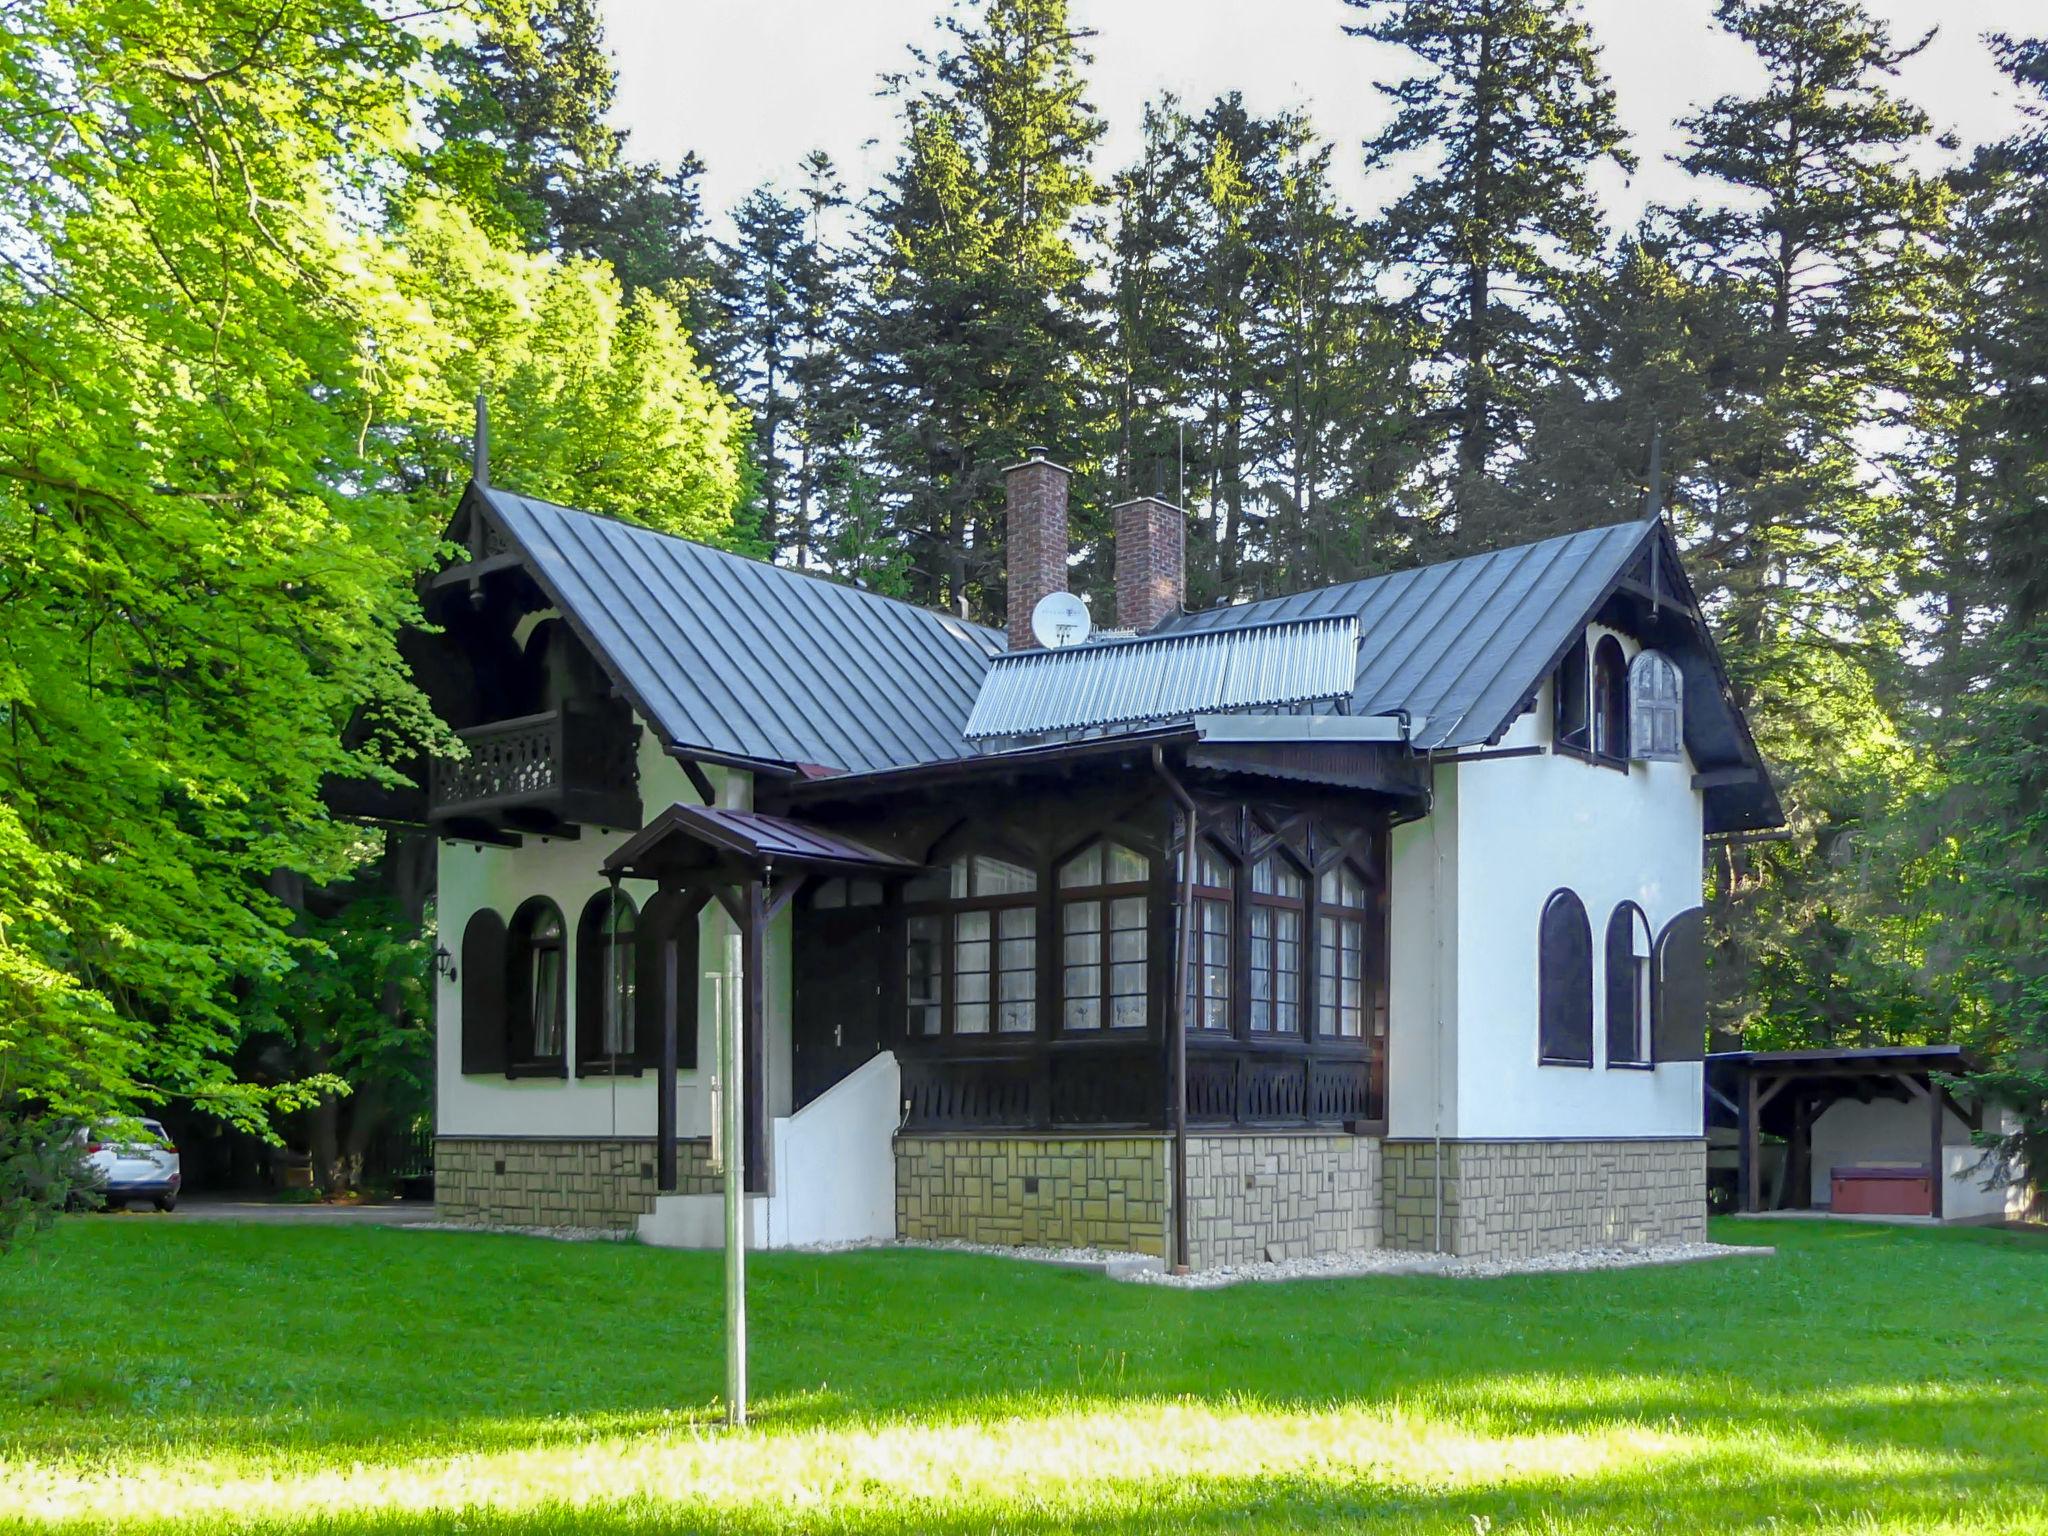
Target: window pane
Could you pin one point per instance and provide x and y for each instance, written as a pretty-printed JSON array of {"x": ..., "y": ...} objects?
[
  {"x": 832, "y": 893},
  {"x": 547, "y": 1015},
  {"x": 932, "y": 885},
  {"x": 971, "y": 925},
  {"x": 998, "y": 877},
  {"x": 1128, "y": 912},
  {"x": 864, "y": 893},
  {"x": 1126, "y": 867},
  {"x": 1082, "y": 1012},
  {"x": 1084, "y": 868},
  {"x": 970, "y": 1019},
  {"x": 970, "y": 982},
  {"x": 921, "y": 976}
]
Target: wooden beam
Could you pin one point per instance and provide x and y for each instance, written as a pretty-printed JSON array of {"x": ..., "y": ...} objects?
[
  {"x": 1937, "y": 1162},
  {"x": 1747, "y": 1179},
  {"x": 665, "y": 1087},
  {"x": 754, "y": 1032}
]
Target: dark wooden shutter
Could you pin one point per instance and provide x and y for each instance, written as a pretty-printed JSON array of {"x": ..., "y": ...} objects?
[
  {"x": 1656, "y": 708},
  {"x": 1565, "y": 982},
  {"x": 1679, "y": 996},
  {"x": 668, "y": 914},
  {"x": 590, "y": 983},
  {"x": 483, "y": 993}
]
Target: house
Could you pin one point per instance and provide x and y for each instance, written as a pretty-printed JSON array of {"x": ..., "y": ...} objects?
[{"x": 1443, "y": 984}]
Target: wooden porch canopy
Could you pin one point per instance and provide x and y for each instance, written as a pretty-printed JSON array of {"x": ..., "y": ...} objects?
[
  {"x": 1783, "y": 1092},
  {"x": 751, "y": 863}
]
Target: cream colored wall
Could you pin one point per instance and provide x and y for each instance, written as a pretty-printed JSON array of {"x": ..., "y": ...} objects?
[
  {"x": 1422, "y": 971},
  {"x": 566, "y": 871}
]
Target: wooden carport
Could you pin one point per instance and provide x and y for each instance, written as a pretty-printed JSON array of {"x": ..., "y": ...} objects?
[{"x": 1782, "y": 1093}]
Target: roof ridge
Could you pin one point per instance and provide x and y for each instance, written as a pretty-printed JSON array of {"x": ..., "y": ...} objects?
[{"x": 712, "y": 549}]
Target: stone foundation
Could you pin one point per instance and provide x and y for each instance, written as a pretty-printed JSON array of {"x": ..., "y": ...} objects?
[
  {"x": 528, "y": 1181},
  {"x": 1061, "y": 1191},
  {"x": 1249, "y": 1194},
  {"x": 1515, "y": 1199},
  {"x": 1255, "y": 1196}
]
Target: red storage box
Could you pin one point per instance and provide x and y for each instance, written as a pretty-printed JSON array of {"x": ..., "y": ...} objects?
[{"x": 1881, "y": 1191}]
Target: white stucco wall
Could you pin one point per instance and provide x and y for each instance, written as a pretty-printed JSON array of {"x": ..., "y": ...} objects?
[
  {"x": 1422, "y": 970},
  {"x": 1468, "y": 894},
  {"x": 566, "y": 871}
]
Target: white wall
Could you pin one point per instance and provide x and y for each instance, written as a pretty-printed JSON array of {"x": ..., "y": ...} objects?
[
  {"x": 566, "y": 871},
  {"x": 1422, "y": 970},
  {"x": 1526, "y": 826}
]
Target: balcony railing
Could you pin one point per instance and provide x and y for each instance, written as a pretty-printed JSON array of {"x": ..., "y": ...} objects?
[{"x": 564, "y": 766}]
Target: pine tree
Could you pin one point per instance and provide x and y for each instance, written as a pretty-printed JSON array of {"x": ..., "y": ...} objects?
[
  {"x": 978, "y": 338},
  {"x": 1497, "y": 234}
]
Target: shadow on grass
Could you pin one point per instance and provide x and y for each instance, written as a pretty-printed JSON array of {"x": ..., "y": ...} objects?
[{"x": 289, "y": 1346}]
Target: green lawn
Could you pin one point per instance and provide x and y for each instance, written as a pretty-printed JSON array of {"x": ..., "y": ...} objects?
[{"x": 157, "y": 1374}]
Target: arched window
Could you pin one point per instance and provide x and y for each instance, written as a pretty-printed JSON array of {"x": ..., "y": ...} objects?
[
  {"x": 1564, "y": 984},
  {"x": 607, "y": 981},
  {"x": 1342, "y": 908},
  {"x": 536, "y": 989},
  {"x": 1103, "y": 945},
  {"x": 1610, "y": 700},
  {"x": 1276, "y": 912},
  {"x": 1656, "y": 708},
  {"x": 1568, "y": 705},
  {"x": 1208, "y": 1000},
  {"x": 1628, "y": 987},
  {"x": 971, "y": 957}
]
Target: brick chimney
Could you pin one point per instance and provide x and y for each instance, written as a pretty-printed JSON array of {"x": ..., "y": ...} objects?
[
  {"x": 1151, "y": 580},
  {"x": 1036, "y": 493}
]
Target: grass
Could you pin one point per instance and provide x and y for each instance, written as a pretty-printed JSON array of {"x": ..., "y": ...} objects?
[{"x": 157, "y": 1375}]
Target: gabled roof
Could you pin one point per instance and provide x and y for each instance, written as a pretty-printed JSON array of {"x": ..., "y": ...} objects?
[
  {"x": 738, "y": 658},
  {"x": 1463, "y": 643},
  {"x": 1166, "y": 677}
]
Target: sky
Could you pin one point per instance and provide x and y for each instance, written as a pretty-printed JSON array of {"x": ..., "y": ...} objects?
[{"x": 754, "y": 85}]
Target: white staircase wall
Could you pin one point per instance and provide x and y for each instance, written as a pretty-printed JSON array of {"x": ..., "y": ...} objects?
[{"x": 832, "y": 1170}]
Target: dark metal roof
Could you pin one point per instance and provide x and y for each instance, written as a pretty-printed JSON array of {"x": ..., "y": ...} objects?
[
  {"x": 1875, "y": 1057},
  {"x": 1166, "y": 677},
  {"x": 753, "y": 837},
  {"x": 749, "y": 660},
  {"x": 1460, "y": 644}
]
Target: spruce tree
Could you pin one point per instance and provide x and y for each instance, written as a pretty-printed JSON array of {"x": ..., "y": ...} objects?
[
  {"x": 979, "y": 335},
  {"x": 1495, "y": 235}
]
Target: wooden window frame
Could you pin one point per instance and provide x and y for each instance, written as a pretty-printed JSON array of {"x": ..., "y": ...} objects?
[
  {"x": 1364, "y": 917},
  {"x": 521, "y": 1059},
  {"x": 594, "y": 948},
  {"x": 1103, "y": 895},
  {"x": 1209, "y": 899},
  {"x": 1607, "y": 703},
  {"x": 1638, "y": 993},
  {"x": 1257, "y": 901},
  {"x": 948, "y": 911}
]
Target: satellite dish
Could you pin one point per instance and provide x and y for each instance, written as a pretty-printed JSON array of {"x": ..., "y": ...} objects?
[{"x": 1059, "y": 619}]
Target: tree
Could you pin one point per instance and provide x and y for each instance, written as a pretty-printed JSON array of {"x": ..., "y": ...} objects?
[
  {"x": 977, "y": 338},
  {"x": 1495, "y": 237}
]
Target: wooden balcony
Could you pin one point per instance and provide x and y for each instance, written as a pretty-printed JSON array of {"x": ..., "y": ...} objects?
[{"x": 546, "y": 773}]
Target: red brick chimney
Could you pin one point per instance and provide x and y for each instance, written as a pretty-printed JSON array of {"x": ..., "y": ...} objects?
[
  {"x": 1151, "y": 579},
  {"x": 1036, "y": 493}
]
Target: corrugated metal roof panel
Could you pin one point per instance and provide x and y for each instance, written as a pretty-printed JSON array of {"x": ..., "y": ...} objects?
[
  {"x": 1131, "y": 682},
  {"x": 1461, "y": 643},
  {"x": 745, "y": 659}
]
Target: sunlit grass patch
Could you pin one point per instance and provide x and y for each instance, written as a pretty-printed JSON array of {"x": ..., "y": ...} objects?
[{"x": 375, "y": 1382}]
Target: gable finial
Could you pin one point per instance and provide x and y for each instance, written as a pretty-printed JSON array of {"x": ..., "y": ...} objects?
[
  {"x": 480, "y": 444},
  {"x": 1653, "y": 498}
]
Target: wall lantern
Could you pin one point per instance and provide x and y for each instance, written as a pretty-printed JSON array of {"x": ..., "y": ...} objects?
[{"x": 444, "y": 962}]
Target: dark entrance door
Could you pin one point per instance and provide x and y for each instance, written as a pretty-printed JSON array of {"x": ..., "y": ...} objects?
[{"x": 838, "y": 971}]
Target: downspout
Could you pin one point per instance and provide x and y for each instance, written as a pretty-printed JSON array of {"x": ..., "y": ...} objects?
[
  {"x": 1183, "y": 953},
  {"x": 1438, "y": 1031}
]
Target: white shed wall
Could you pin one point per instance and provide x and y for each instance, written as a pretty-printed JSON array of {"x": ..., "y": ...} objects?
[{"x": 1849, "y": 1133}]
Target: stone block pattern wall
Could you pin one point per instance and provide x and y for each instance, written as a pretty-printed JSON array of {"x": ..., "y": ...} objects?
[
  {"x": 1252, "y": 1197},
  {"x": 1515, "y": 1199},
  {"x": 551, "y": 1183},
  {"x": 1086, "y": 1192}
]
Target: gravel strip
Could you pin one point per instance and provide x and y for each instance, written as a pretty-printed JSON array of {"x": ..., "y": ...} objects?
[
  {"x": 559, "y": 1234},
  {"x": 1393, "y": 1261}
]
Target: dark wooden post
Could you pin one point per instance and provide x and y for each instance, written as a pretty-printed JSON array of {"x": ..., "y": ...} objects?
[
  {"x": 1746, "y": 1176},
  {"x": 1937, "y": 1159},
  {"x": 665, "y": 1089},
  {"x": 754, "y": 1032},
  {"x": 1799, "y": 1155}
]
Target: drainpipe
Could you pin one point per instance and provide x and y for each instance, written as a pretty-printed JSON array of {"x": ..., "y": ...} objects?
[{"x": 1183, "y": 953}]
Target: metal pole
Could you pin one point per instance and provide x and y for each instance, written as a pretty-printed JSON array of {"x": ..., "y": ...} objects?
[{"x": 730, "y": 1055}]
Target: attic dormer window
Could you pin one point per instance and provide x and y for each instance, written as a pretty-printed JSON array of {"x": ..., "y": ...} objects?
[
  {"x": 1656, "y": 708},
  {"x": 1610, "y": 700},
  {"x": 1569, "y": 705}
]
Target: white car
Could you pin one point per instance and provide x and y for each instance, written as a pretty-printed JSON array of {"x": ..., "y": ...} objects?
[{"x": 125, "y": 1168}]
